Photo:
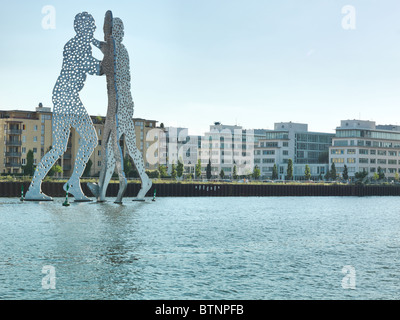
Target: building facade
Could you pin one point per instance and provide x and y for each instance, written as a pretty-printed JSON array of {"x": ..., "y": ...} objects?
[
  {"x": 21, "y": 131},
  {"x": 364, "y": 146},
  {"x": 292, "y": 141}
]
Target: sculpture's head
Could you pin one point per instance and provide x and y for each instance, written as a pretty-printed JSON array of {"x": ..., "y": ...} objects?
[
  {"x": 108, "y": 22},
  {"x": 84, "y": 24},
  {"x": 118, "y": 29}
]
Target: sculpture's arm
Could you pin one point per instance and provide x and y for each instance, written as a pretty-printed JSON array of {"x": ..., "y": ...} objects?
[{"x": 99, "y": 44}]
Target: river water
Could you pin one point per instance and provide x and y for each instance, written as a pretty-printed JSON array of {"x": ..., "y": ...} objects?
[{"x": 202, "y": 248}]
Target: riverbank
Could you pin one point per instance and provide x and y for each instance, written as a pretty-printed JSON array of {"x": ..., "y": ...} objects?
[{"x": 201, "y": 189}]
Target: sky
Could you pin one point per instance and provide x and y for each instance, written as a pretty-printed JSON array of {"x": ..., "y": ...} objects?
[{"x": 246, "y": 62}]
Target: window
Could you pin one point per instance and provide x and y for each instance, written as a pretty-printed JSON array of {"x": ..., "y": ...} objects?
[
  {"x": 268, "y": 152},
  {"x": 35, "y": 139},
  {"x": 372, "y": 160},
  {"x": 351, "y": 160},
  {"x": 35, "y": 128},
  {"x": 268, "y": 160},
  {"x": 23, "y": 138},
  {"x": 363, "y": 151},
  {"x": 381, "y": 161},
  {"x": 393, "y": 153},
  {"x": 351, "y": 151},
  {"x": 285, "y": 152},
  {"x": 286, "y": 144},
  {"x": 392, "y": 161},
  {"x": 23, "y": 150},
  {"x": 23, "y": 162},
  {"x": 372, "y": 152},
  {"x": 42, "y": 140},
  {"x": 99, "y": 142},
  {"x": 34, "y": 150},
  {"x": 99, "y": 153},
  {"x": 337, "y": 160},
  {"x": 337, "y": 151},
  {"x": 382, "y": 152},
  {"x": 99, "y": 163},
  {"x": 35, "y": 161},
  {"x": 363, "y": 160}
]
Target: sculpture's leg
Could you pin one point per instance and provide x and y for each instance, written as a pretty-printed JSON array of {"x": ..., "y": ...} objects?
[
  {"x": 107, "y": 171},
  {"x": 88, "y": 142},
  {"x": 60, "y": 140},
  {"x": 123, "y": 183},
  {"x": 136, "y": 155}
]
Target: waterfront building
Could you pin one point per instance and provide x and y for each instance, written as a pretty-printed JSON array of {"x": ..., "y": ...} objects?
[
  {"x": 364, "y": 146},
  {"x": 293, "y": 141},
  {"x": 21, "y": 131}
]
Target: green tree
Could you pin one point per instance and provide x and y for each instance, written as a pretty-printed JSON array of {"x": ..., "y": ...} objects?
[
  {"x": 88, "y": 167},
  {"x": 198, "y": 169},
  {"x": 396, "y": 176},
  {"x": 360, "y": 176},
  {"x": 375, "y": 177},
  {"x": 163, "y": 171},
  {"x": 173, "y": 171},
  {"x": 256, "y": 172},
  {"x": 208, "y": 170},
  {"x": 55, "y": 170},
  {"x": 234, "y": 173},
  {"x": 222, "y": 174},
  {"x": 381, "y": 173},
  {"x": 345, "y": 173},
  {"x": 179, "y": 169},
  {"x": 307, "y": 172},
  {"x": 275, "y": 175},
  {"x": 129, "y": 168},
  {"x": 333, "y": 173},
  {"x": 29, "y": 168},
  {"x": 289, "y": 171}
]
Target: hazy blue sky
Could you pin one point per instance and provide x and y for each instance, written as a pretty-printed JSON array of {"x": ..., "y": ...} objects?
[{"x": 252, "y": 62}]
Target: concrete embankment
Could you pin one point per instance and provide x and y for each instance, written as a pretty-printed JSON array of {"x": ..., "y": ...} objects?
[{"x": 55, "y": 189}]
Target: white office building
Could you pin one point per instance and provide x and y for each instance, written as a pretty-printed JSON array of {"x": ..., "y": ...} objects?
[{"x": 365, "y": 146}]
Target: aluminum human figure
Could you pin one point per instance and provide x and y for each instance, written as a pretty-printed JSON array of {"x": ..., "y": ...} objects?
[
  {"x": 119, "y": 119},
  {"x": 69, "y": 110}
]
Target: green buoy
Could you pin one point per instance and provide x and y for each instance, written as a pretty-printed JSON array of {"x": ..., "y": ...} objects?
[
  {"x": 66, "y": 203},
  {"x": 22, "y": 193},
  {"x": 154, "y": 196}
]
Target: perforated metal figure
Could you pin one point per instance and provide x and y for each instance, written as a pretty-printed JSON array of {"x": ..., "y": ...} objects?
[
  {"x": 69, "y": 111},
  {"x": 119, "y": 119}
]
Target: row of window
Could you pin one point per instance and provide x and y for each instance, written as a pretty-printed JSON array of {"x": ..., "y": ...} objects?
[
  {"x": 364, "y": 143},
  {"x": 366, "y": 152},
  {"x": 366, "y": 160}
]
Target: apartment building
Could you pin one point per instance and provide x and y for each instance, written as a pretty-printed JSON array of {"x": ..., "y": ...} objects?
[
  {"x": 293, "y": 141},
  {"x": 21, "y": 131},
  {"x": 364, "y": 146}
]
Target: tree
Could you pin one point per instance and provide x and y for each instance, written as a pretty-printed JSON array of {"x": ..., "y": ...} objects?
[
  {"x": 88, "y": 167},
  {"x": 289, "y": 172},
  {"x": 129, "y": 167},
  {"x": 375, "y": 176},
  {"x": 396, "y": 176},
  {"x": 256, "y": 172},
  {"x": 179, "y": 169},
  {"x": 222, "y": 174},
  {"x": 198, "y": 169},
  {"x": 381, "y": 173},
  {"x": 163, "y": 171},
  {"x": 360, "y": 176},
  {"x": 55, "y": 170},
  {"x": 29, "y": 168},
  {"x": 208, "y": 170},
  {"x": 345, "y": 173},
  {"x": 307, "y": 172},
  {"x": 173, "y": 171},
  {"x": 275, "y": 175},
  {"x": 333, "y": 173},
  {"x": 234, "y": 174}
]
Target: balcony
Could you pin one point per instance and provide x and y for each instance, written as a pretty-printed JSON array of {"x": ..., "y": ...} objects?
[
  {"x": 13, "y": 165},
  {"x": 13, "y": 154},
  {"x": 13, "y": 143},
  {"x": 13, "y": 131}
]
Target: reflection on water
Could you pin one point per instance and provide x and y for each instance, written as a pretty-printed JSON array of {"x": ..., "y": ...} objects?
[{"x": 201, "y": 248}]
